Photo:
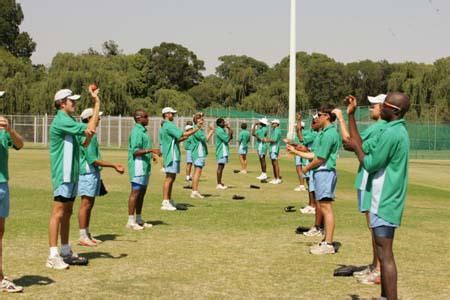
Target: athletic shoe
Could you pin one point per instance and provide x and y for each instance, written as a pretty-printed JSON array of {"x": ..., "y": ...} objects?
[
  {"x": 273, "y": 181},
  {"x": 322, "y": 248},
  {"x": 95, "y": 240},
  {"x": 196, "y": 194},
  {"x": 188, "y": 178},
  {"x": 10, "y": 287},
  {"x": 243, "y": 172},
  {"x": 134, "y": 226},
  {"x": 363, "y": 273},
  {"x": 167, "y": 205},
  {"x": 309, "y": 210},
  {"x": 144, "y": 224},
  {"x": 373, "y": 277},
  {"x": 87, "y": 242},
  {"x": 221, "y": 187},
  {"x": 263, "y": 176},
  {"x": 277, "y": 181},
  {"x": 313, "y": 231},
  {"x": 73, "y": 259},
  {"x": 56, "y": 263},
  {"x": 300, "y": 188}
]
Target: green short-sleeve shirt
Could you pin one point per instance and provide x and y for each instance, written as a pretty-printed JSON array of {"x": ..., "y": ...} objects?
[
  {"x": 138, "y": 140},
  {"x": 261, "y": 133},
  {"x": 5, "y": 143},
  {"x": 188, "y": 143},
  {"x": 222, "y": 139},
  {"x": 327, "y": 147},
  {"x": 199, "y": 145},
  {"x": 89, "y": 155},
  {"x": 65, "y": 149},
  {"x": 275, "y": 136},
  {"x": 244, "y": 138},
  {"x": 169, "y": 136}
]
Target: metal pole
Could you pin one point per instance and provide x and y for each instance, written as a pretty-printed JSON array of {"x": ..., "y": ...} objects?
[{"x": 292, "y": 73}]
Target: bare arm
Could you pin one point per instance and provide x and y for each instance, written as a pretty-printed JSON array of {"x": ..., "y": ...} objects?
[
  {"x": 118, "y": 167},
  {"x": 298, "y": 128},
  {"x": 17, "y": 140},
  {"x": 342, "y": 126},
  {"x": 94, "y": 119},
  {"x": 316, "y": 162},
  {"x": 351, "y": 107}
]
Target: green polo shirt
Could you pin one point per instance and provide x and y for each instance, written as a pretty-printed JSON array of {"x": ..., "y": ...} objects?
[
  {"x": 65, "y": 149},
  {"x": 89, "y": 155},
  {"x": 244, "y": 138},
  {"x": 221, "y": 139},
  {"x": 138, "y": 140},
  {"x": 188, "y": 143},
  {"x": 328, "y": 144},
  {"x": 369, "y": 138},
  {"x": 275, "y": 136},
  {"x": 169, "y": 134},
  {"x": 261, "y": 133},
  {"x": 199, "y": 145},
  {"x": 308, "y": 138},
  {"x": 387, "y": 165},
  {"x": 5, "y": 143}
]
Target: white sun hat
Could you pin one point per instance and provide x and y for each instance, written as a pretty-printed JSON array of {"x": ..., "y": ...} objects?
[
  {"x": 66, "y": 93},
  {"x": 264, "y": 121},
  {"x": 88, "y": 112},
  {"x": 166, "y": 110},
  {"x": 275, "y": 121},
  {"x": 377, "y": 99}
]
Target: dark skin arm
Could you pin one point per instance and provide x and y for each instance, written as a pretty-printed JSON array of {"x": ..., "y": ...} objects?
[
  {"x": 353, "y": 129},
  {"x": 298, "y": 128},
  {"x": 141, "y": 152},
  {"x": 352, "y": 145},
  {"x": 118, "y": 167}
]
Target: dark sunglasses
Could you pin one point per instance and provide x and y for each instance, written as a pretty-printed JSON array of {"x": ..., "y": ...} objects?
[{"x": 322, "y": 114}]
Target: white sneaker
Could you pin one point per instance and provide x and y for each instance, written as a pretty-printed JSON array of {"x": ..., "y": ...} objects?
[
  {"x": 196, "y": 194},
  {"x": 277, "y": 181},
  {"x": 262, "y": 176},
  {"x": 243, "y": 172},
  {"x": 188, "y": 178},
  {"x": 221, "y": 187},
  {"x": 167, "y": 205},
  {"x": 144, "y": 224},
  {"x": 309, "y": 210},
  {"x": 87, "y": 242},
  {"x": 134, "y": 226},
  {"x": 313, "y": 231},
  {"x": 56, "y": 262},
  {"x": 273, "y": 181},
  {"x": 322, "y": 248},
  {"x": 300, "y": 188},
  {"x": 10, "y": 287}
]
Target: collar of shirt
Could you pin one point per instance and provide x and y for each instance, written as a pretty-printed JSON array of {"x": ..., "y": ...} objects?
[{"x": 141, "y": 127}]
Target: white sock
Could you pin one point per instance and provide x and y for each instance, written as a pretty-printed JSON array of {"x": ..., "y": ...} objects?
[
  {"x": 139, "y": 218},
  {"x": 84, "y": 234},
  {"x": 53, "y": 251},
  {"x": 131, "y": 219},
  {"x": 65, "y": 249}
]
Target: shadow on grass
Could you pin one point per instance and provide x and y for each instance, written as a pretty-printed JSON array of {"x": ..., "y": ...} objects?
[
  {"x": 357, "y": 297},
  {"x": 107, "y": 237},
  {"x": 157, "y": 222},
  {"x": 184, "y": 206},
  {"x": 94, "y": 255},
  {"x": 29, "y": 280}
]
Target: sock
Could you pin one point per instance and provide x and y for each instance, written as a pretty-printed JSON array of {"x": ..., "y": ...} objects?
[
  {"x": 53, "y": 251},
  {"x": 131, "y": 219},
  {"x": 138, "y": 218},
  {"x": 84, "y": 234},
  {"x": 65, "y": 250}
]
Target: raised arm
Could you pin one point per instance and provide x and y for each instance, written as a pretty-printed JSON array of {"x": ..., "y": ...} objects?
[{"x": 16, "y": 139}]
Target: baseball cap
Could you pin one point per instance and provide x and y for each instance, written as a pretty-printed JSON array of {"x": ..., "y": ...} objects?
[
  {"x": 87, "y": 113},
  {"x": 276, "y": 121},
  {"x": 2, "y": 93},
  {"x": 264, "y": 121},
  {"x": 66, "y": 93},
  {"x": 187, "y": 127},
  {"x": 377, "y": 99},
  {"x": 166, "y": 110}
]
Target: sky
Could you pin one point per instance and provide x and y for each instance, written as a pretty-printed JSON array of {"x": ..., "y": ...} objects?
[{"x": 346, "y": 30}]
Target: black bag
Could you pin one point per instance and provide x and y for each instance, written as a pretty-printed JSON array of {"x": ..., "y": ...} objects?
[{"x": 103, "y": 190}]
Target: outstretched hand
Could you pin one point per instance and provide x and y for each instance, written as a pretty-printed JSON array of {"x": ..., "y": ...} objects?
[
  {"x": 119, "y": 168},
  {"x": 351, "y": 103}
]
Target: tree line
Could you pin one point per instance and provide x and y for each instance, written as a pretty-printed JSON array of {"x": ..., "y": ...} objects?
[{"x": 170, "y": 74}]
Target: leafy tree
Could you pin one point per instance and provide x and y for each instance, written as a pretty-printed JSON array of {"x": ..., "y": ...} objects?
[
  {"x": 111, "y": 48},
  {"x": 181, "y": 102}
]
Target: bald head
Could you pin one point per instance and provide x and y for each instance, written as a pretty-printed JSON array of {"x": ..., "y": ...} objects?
[{"x": 400, "y": 100}]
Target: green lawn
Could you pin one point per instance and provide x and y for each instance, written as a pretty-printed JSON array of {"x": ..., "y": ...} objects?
[{"x": 221, "y": 248}]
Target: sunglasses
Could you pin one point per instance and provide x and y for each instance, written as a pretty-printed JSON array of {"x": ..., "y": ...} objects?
[
  {"x": 391, "y": 106},
  {"x": 321, "y": 114}
]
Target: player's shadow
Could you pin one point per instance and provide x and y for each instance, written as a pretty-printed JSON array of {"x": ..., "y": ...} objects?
[
  {"x": 107, "y": 237},
  {"x": 98, "y": 254},
  {"x": 184, "y": 206},
  {"x": 157, "y": 222},
  {"x": 29, "y": 280}
]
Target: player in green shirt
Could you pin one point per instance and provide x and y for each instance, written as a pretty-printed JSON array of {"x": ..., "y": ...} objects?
[
  {"x": 90, "y": 180},
  {"x": 244, "y": 139},
  {"x": 65, "y": 171},
  {"x": 170, "y": 136},
  {"x": 274, "y": 149},
  {"x": 260, "y": 132},
  {"x": 8, "y": 138},
  {"x": 222, "y": 138},
  {"x": 387, "y": 165},
  {"x": 187, "y": 147}
]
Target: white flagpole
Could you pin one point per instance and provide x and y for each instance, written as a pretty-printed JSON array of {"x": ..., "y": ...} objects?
[{"x": 292, "y": 73}]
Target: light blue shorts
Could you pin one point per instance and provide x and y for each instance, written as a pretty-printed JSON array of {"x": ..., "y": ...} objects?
[
  {"x": 223, "y": 160},
  {"x": 173, "y": 167},
  {"x": 298, "y": 160},
  {"x": 311, "y": 187},
  {"x": 273, "y": 156},
  {"x": 325, "y": 184},
  {"x": 4, "y": 200},
  {"x": 188, "y": 156},
  {"x": 261, "y": 153},
  {"x": 67, "y": 190},
  {"x": 360, "y": 195},
  {"x": 376, "y": 221},
  {"x": 199, "y": 162},
  {"x": 89, "y": 184},
  {"x": 242, "y": 150},
  {"x": 141, "y": 180}
]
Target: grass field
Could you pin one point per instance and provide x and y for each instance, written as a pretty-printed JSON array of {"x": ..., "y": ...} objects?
[{"x": 221, "y": 248}]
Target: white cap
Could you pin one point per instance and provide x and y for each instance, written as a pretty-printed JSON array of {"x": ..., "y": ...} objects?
[
  {"x": 264, "y": 121},
  {"x": 302, "y": 124},
  {"x": 87, "y": 113},
  {"x": 66, "y": 93},
  {"x": 275, "y": 121},
  {"x": 377, "y": 99},
  {"x": 166, "y": 110},
  {"x": 187, "y": 127},
  {"x": 2, "y": 93},
  {"x": 315, "y": 116}
]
